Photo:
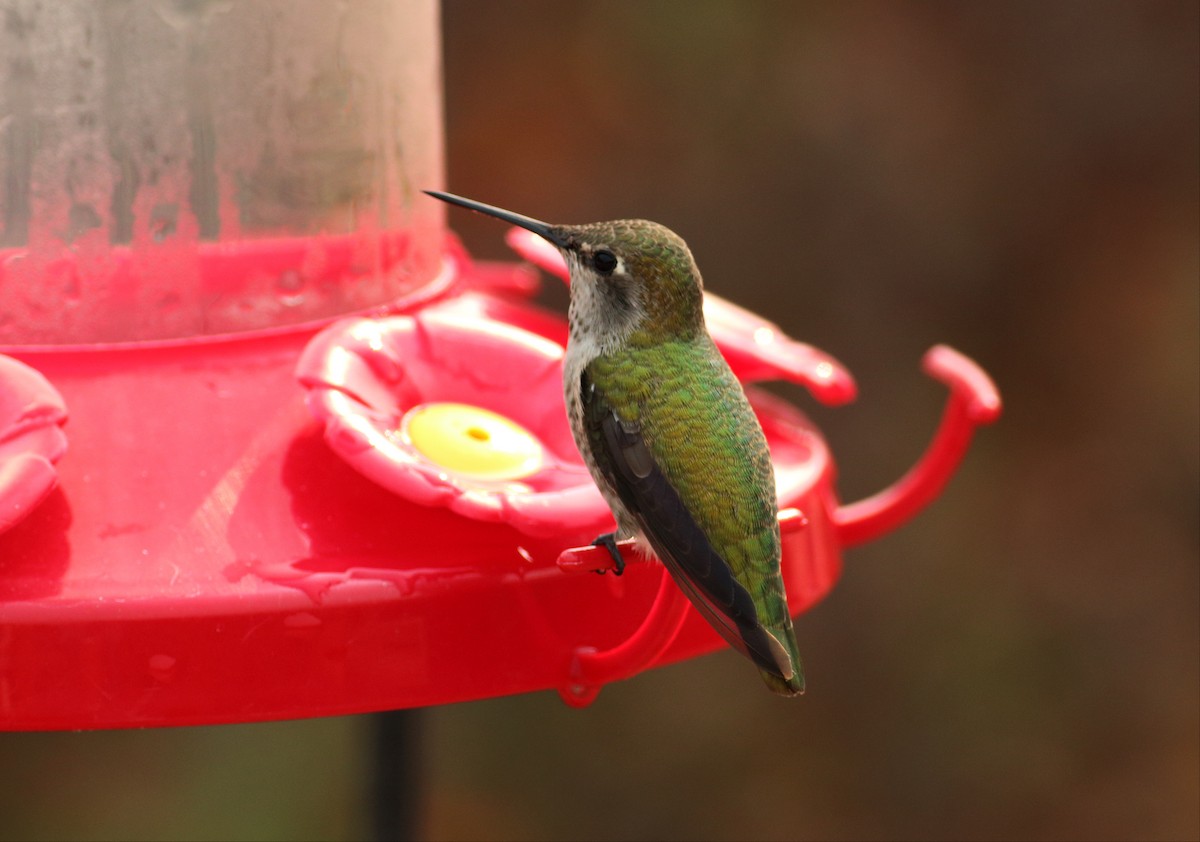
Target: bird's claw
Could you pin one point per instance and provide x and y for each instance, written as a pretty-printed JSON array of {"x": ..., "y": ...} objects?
[{"x": 609, "y": 541}]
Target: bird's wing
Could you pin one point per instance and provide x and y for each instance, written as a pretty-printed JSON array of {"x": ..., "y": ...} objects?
[{"x": 680, "y": 543}]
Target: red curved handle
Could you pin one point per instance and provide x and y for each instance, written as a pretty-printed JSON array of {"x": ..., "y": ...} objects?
[
  {"x": 974, "y": 401},
  {"x": 591, "y": 669}
]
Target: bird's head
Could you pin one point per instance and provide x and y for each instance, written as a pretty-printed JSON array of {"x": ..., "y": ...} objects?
[{"x": 631, "y": 279}]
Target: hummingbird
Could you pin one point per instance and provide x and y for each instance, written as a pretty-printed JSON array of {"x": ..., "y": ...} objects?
[{"x": 667, "y": 433}]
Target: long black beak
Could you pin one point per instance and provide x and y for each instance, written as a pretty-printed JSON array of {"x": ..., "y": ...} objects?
[{"x": 548, "y": 232}]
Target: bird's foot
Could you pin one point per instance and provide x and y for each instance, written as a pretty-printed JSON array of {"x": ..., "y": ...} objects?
[{"x": 609, "y": 541}]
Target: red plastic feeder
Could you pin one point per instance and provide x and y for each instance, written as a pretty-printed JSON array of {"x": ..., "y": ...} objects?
[{"x": 217, "y": 551}]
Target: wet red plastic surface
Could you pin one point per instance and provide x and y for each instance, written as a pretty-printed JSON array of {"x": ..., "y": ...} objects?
[{"x": 208, "y": 557}]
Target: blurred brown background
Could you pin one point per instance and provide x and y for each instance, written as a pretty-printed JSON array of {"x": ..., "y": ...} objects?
[{"x": 1020, "y": 180}]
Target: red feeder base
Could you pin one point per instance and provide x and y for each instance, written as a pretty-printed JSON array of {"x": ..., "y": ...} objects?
[{"x": 208, "y": 557}]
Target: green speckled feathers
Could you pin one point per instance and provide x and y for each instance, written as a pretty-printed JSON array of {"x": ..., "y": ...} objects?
[
  {"x": 704, "y": 437},
  {"x": 695, "y": 421}
]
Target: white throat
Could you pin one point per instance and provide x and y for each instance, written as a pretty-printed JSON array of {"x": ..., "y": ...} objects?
[{"x": 600, "y": 320}]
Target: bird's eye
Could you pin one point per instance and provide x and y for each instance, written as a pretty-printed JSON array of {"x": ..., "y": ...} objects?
[{"x": 604, "y": 261}]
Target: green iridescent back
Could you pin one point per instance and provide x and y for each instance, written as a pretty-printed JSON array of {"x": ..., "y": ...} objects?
[{"x": 705, "y": 438}]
